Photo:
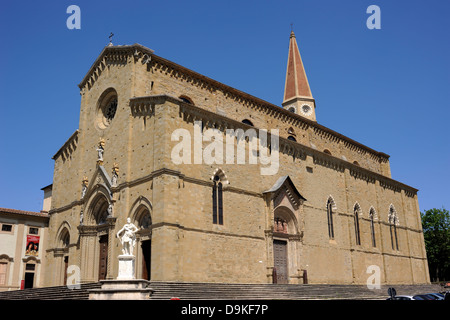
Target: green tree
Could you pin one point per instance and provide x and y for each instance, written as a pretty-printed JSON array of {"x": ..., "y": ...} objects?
[{"x": 436, "y": 231}]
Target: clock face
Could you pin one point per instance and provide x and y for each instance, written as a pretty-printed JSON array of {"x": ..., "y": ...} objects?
[{"x": 306, "y": 109}]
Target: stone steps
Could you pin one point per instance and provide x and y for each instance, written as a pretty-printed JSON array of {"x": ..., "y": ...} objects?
[
  {"x": 230, "y": 291},
  {"x": 50, "y": 293},
  {"x": 213, "y": 291}
]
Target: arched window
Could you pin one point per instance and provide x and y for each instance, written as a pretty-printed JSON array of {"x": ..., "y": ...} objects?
[
  {"x": 292, "y": 138},
  {"x": 65, "y": 239},
  {"x": 327, "y": 151},
  {"x": 372, "y": 226},
  {"x": 356, "y": 163},
  {"x": 330, "y": 218},
  {"x": 186, "y": 99},
  {"x": 217, "y": 197},
  {"x": 248, "y": 122},
  {"x": 393, "y": 222},
  {"x": 356, "y": 211}
]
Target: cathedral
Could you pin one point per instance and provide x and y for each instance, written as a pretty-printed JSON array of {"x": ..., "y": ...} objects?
[{"x": 327, "y": 211}]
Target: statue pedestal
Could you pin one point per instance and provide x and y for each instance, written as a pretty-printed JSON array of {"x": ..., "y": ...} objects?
[
  {"x": 131, "y": 289},
  {"x": 125, "y": 287},
  {"x": 126, "y": 267}
]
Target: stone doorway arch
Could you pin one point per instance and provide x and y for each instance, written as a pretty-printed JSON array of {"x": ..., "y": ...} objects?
[
  {"x": 96, "y": 232},
  {"x": 141, "y": 216},
  {"x": 284, "y": 233}
]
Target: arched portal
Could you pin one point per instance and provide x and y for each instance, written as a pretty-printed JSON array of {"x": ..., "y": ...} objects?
[
  {"x": 285, "y": 242},
  {"x": 141, "y": 217},
  {"x": 95, "y": 236}
]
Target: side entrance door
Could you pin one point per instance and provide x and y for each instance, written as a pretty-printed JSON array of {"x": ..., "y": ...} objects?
[
  {"x": 146, "y": 259},
  {"x": 280, "y": 261}
]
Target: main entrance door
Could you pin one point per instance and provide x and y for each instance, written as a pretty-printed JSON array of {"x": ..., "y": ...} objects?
[
  {"x": 280, "y": 261},
  {"x": 103, "y": 263}
]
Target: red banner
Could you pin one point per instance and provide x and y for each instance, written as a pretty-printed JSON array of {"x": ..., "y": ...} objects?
[{"x": 32, "y": 248}]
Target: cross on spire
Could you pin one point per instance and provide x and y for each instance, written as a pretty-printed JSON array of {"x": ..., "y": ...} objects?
[{"x": 110, "y": 39}]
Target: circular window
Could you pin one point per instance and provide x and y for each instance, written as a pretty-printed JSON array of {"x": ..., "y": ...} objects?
[
  {"x": 306, "y": 109},
  {"x": 107, "y": 109},
  {"x": 110, "y": 110}
]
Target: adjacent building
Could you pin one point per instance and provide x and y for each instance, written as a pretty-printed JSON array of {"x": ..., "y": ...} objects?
[{"x": 22, "y": 238}]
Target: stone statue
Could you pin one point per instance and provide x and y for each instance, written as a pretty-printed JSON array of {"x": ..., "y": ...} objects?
[
  {"x": 84, "y": 186},
  {"x": 110, "y": 210},
  {"x": 128, "y": 239},
  {"x": 81, "y": 217},
  {"x": 100, "y": 151},
  {"x": 115, "y": 175}
]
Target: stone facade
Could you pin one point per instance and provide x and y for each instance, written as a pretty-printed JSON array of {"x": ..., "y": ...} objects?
[{"x": 132, "y": 102}]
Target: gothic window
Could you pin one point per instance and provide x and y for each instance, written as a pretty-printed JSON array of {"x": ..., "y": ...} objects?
[
  {"x": 393, "y": 221},
  {"x": 356, "y": 210},
  {"x": 330, "y": 219},
  {"x": 65, "y": 239},
  {"x": 217, "y": 197},
  {"x": 372, "y": 227}
]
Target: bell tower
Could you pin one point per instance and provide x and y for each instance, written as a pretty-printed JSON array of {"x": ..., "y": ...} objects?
[{"x": 297, "y": 94}]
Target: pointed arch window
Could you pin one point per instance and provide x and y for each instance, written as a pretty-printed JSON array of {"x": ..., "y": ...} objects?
[
  {"x": 393, "y": 222},
  {"x": 330, "y": 218},
  {"x": 217, "y": 198},
  {"x": 372, "y": 226},
  {"x": 356, "y": 210}
]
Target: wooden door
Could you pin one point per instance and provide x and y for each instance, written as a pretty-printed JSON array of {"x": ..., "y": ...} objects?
[
  {"x": 103, "y": 261},
  {"x": 146, "y": 259},
  {"x": 280, "y": 261}
]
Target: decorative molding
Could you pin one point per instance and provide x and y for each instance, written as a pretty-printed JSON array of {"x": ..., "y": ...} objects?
[
  {"x": 68, "y": 147},
  {"x": 358, "y": 209},
  {"x": 333, "y": 203},
  {"x": 374, "y": 212}
]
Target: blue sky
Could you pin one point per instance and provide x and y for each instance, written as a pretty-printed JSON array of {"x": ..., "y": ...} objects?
[{"x": 388, "y": 89}]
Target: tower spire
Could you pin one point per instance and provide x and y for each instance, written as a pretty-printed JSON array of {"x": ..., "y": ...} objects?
[{"x": 297, "y": 93}]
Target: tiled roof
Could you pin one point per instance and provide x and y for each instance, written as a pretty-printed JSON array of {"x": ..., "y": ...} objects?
[{"x": 29, "y": 213}]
